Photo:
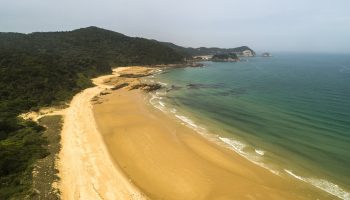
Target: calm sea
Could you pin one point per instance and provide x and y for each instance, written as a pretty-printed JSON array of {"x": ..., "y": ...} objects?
[{"x": 289, "y": 113}]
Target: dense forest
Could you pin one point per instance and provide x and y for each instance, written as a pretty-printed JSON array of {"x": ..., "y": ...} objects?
[
  {"x": 44, "y": 69},
  {"x": 225, "y": 57}
]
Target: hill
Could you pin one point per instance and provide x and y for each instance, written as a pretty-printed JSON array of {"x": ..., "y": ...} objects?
[
  {"x": 189, "y": 51},
  {"x": 59, "y": 62}
]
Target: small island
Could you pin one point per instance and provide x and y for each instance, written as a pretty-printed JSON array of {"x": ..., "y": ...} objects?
[{"x": 266, "y": 54}]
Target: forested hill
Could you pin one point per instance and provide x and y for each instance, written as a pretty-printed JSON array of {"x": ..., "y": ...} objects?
[
  {"x": 97, "y": 43},
  {"x": 42, "y": 69},
  {"x": 185, "y": 51}
]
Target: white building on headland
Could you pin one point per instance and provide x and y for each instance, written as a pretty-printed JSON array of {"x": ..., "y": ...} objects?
[
  {"x": 205, "y": 57},
  {"x": 247, "y": 53}
]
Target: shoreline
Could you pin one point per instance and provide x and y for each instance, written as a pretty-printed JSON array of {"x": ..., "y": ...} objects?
[
  {"x": 85, "y": 167},
  {"x": 254, "y": 154},
  {"x": 215, "y": 160},
  {"x": 239, "y": 140}
]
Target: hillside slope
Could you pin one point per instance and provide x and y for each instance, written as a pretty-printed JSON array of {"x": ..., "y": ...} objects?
[{"x": 55, "y": 63}]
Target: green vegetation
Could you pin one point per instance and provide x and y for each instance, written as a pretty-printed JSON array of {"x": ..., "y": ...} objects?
[
  {"x": 201, "y": 51},
  {"x": 225, "y": 57},
  {"x": 44, "y": 69},
  {"x": 22, "y": 147},
  {"x": 45, "y": 172}
]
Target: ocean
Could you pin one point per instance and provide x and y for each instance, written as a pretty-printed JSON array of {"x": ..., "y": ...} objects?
[{"x": 289, "y": 113}]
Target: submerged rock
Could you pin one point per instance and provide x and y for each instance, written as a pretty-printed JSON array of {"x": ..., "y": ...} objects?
[
  {"x": 173, "y": 87},
  {"x": 200, "y": 85}
]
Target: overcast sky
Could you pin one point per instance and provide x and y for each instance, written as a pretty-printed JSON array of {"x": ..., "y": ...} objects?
[{"x": 264, "y": 25}]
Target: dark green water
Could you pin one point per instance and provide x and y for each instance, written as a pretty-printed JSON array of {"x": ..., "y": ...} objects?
[{"x": 290, "y": 113}]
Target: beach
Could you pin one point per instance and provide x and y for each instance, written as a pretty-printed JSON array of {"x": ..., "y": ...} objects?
[
  {"x": 86, "y": 170},
  {"x": 158, "y": 157}
]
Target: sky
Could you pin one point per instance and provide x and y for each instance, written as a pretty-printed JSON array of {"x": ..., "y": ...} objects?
[{"x": 263, "y": 25}]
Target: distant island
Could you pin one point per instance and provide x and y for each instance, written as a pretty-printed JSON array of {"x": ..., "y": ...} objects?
[{"x": 266, "y": 54}]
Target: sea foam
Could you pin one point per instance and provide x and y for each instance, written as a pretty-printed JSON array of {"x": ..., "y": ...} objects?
[
  {"x": 239, "y": 147},
  {"x": 189, "y": 123},
  {"x": 324, "y": 185},
  {"x": 163, "y": 84},
  {"x": 155, "y": 102},
  {"x": 161, "y": 103},
  {"x": 236, "y": 145},
  {"x": 260, "y": 152}
]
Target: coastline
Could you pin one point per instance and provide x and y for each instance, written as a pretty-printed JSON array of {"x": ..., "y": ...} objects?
[
  {"x": 166, "y": 159},
  {"x": 86, "y": 170}
]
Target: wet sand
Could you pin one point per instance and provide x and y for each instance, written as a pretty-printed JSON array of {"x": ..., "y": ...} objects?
[{"x": 167, "y": 160}]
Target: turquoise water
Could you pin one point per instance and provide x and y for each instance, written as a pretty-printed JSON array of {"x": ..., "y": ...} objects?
[{"x": 289, "y": 113}]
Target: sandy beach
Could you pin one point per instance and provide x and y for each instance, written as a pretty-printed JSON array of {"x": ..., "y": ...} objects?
[
  {"x": 85, "y": 167},
  {"x": 163, "y": 158}
]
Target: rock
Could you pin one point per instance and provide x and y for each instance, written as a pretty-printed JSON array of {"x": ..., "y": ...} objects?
[
  {"x": 146, "y": 87},
  {"x": 133, "y": 75},
  {"x": 117, "y": 87},
  {"x": 194, "y": 64},
  {"x": 104, "y": 93}
]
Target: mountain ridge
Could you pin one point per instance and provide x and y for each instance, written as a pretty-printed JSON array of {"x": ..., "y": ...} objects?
[{"x": 185, "y": 51}]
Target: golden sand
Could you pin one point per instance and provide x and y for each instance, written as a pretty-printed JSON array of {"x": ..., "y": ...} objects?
[
  {"x": 167, "y": 160},
  {"x": 86, "y": 169}
]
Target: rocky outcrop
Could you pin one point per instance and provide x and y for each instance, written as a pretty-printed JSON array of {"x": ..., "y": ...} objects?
[{"x": 146, "y": 87}]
